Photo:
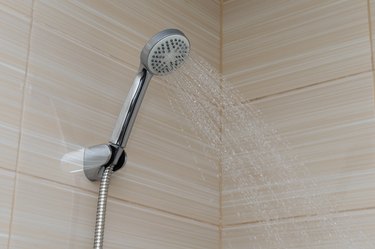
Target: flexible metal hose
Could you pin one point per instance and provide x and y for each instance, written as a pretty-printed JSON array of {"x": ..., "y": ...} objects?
[{"x": 100, "y": 211}]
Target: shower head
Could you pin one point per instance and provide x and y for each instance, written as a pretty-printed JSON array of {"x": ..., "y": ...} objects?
[
  {"x": 162, "y": 54},
  {"x": 165, "y": 51}
]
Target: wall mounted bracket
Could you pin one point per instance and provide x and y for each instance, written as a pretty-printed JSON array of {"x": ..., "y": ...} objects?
[{"x": 96, "y": 158}]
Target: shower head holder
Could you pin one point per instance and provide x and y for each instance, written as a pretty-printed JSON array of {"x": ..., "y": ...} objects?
[{"x": 98, "y": 157}]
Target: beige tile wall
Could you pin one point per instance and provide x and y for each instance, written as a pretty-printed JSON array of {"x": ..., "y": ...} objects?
[
  {"x": 65, "y": 68},
  {"x": 307, "y": 66},
  {"x": 276, "y": 46},
  {"x": 62, "y": 210}
]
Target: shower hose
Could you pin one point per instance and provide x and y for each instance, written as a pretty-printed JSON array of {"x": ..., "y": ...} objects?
[{"x": 100, "y": 211}]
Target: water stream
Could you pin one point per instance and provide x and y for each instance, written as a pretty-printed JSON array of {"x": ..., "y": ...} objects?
[{"x": 269, "y": 198}]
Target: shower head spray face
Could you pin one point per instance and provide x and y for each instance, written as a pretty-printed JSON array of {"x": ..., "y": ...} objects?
[{"x": 165, "y": 51}]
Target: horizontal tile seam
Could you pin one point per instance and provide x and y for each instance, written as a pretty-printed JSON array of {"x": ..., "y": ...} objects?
[
  {"x": 165, "y": 212},
  {"x": 7, "y": 169},
  {"x": 355, "y": 210},
  {"x": 254, "y": 100},
  {"x": 87, "y": 191}
]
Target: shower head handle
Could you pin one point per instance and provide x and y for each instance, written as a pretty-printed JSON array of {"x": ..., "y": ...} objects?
[{"x": 125, "y": 121}]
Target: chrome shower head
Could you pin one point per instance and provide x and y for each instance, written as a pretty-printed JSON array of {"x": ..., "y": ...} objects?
[{"x": 165, "y": 51}]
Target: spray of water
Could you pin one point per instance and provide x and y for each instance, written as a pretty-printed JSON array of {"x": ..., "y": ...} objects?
[{"x": 266, "y": 188}]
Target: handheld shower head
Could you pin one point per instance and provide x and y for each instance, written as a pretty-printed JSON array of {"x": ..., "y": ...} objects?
[
  {"x": 165, "y": 51},
  {"x": 162, "y": 54}
]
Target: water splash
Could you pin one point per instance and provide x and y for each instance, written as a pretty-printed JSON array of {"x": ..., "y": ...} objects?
[{"x": 268, "y": 192}]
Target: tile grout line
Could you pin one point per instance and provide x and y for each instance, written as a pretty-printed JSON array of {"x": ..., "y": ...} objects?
[
  {"x": 21, "y": 124},
  {"x": 164, "y": 211},
  {"x": 371, "y": 46},
  {"x": 220, "y": 163},
  {"x": 247, "y": 101},
  {"x": 221, "y": 37},
  {"x": 370, "y": 33},
  {"x": 95, "y": 193},
  {"x": 233, "y": 225}
]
